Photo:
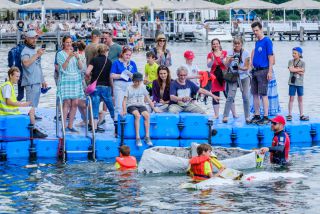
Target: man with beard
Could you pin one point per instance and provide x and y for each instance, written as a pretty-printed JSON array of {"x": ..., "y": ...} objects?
[
  {"x": 279, "y": 151},
  {"x": 32, "y": 79}
]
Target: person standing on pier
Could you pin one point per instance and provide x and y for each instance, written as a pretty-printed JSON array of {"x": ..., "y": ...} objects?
[
  {"x": 215, "y": 61},
  {"x": 32, "y": 79},
  {"x": 262, "y": 62},
  {"x": 91, "y": 50},
  {"x": 114, "y": 48},
  {"x": 163, "y": 55}
]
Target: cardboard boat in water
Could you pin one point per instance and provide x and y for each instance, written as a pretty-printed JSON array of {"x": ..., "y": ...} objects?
[{"x": 165, "y": 159}]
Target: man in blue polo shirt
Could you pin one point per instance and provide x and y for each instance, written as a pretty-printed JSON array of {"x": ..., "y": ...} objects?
[{"x": 262, "y": 61}]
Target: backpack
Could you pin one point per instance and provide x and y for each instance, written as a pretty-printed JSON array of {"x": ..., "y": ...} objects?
[{"x": 14, "y": 56}]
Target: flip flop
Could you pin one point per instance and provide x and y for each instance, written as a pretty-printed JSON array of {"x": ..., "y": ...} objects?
[
  {"x": 304, "y": 118},
  {"x": 289, "y": 118}
]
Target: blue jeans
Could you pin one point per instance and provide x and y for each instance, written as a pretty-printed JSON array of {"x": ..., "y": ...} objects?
[{"x": 102, "y": 93}]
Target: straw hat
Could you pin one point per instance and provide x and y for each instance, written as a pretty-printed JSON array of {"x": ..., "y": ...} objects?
[{"x": 161, "y": 36}]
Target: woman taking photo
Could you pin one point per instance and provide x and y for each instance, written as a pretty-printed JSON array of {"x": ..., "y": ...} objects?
[
  {"x": 215, "y": 61},
  {"x": 161, "y": 88},
  {"x": 99, "y": 69},
  {"x": 163, "y": 55},
  {"x": 238, "y": 62},
  {"x": 121, "y": 72},
  {"x": 70, "y": 83}
]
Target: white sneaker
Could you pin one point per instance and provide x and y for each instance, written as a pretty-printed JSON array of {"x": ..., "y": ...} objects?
[
  {"x": 138, "y": 143},
  {"x": 148, "y": 141}
]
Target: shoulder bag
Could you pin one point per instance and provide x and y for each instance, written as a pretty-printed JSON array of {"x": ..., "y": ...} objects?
[{"x": 92, "y": 87}]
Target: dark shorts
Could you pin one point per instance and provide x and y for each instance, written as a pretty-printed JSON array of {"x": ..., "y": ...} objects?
[
  {"x": 217, "y": 93},
  {"x": 259, "y": 83},
  {"x": 140, "y": 109},
  {"x": 293, "y": 89}
]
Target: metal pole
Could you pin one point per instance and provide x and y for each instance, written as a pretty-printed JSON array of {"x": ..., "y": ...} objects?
[
  {"x": 230, "y": 21},
  {"x": 284, "y": 15},
  {"x": 43, "y": 12},
  {"x": 101, "y": 13}
]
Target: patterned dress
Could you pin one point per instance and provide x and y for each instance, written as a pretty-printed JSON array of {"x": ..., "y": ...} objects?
[{"x": 70, "y": 81}]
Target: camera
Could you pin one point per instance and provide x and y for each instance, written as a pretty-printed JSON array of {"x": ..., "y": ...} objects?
[
  {"x": 43, "y": 46},
  {"x": 236, "y": 62},
  {"x": 75, "y": 48}
]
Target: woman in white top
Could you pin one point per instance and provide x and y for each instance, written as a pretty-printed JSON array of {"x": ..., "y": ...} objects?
[{"x": 238, "y": 62}]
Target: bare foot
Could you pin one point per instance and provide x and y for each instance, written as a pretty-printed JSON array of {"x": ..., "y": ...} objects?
[{"x": 216, "y": 117}]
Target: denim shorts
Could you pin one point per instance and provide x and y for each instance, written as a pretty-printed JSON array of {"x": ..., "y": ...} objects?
[{"x": 293, "y": 89}]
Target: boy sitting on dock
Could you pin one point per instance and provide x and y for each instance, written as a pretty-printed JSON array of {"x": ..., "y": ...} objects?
[
  {"x": 297, "y": 69},
  {"x": 134, "y": 103},
  {"x": 150, "y": 71},
  {"x": 125, "y": 161}
]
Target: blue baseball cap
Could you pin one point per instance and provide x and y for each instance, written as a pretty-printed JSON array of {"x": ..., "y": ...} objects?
[
  {"x": 45, "y": 90},
  {"x": 298, "y": 49}
]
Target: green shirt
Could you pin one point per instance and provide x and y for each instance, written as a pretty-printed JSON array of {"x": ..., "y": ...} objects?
[
  {"x": 114, "y": 52},
  {"x": 151, "y": 72}
]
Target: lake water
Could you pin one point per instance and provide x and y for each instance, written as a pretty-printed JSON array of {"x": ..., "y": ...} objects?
[
  {"x": 88, "y": 187},
  {"x": 94, "y": 187}
]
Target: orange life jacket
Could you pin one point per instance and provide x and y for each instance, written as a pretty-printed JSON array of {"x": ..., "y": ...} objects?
[
  {"x": 127, "y": 162},
  {"x": 197, "y": 168}
]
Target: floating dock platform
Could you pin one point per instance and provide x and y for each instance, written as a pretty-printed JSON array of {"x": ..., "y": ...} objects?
[{"x": 165, "y": 130}]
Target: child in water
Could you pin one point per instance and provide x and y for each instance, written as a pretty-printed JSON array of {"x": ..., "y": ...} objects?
[
  {"x": 125, "y": 161},
  {"x": 201, "y": 166}
]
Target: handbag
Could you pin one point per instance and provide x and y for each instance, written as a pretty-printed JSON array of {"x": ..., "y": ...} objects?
[
  {"x": 231, "y": 77},
  {"x": 92, "y": 87}
]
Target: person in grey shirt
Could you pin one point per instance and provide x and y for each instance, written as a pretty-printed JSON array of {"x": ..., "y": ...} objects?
[
  {"x": 114, "y": 48},
  {"x": 32, "y": 78}
]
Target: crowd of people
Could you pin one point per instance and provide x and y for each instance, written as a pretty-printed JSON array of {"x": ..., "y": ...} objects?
[{"x": 105, "y": 71}]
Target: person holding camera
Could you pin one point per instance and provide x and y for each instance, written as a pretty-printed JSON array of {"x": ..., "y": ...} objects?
[
  {"x": 296, "y": 68},
  {"x": 238, "y": 62},
  {"x": 33, "y": 78},
  {"x": 70, "y": 86}
]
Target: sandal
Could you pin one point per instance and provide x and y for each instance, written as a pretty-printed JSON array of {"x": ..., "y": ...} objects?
[
  {"x": 304, "y": 118},
  {"x": 225, "y": 120},
  {"x": 289, "y": 118}
]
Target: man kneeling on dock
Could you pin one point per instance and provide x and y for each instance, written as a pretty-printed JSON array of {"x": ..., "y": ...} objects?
[{"x": 9, "y": 104}]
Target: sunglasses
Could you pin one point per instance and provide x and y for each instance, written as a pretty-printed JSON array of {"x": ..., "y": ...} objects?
[
  {"x": 274, "y": 123},
  {"x": 126, "y": 48},
  {"x": 163, "y": 67},
  {"x": 162, "y": 40}
]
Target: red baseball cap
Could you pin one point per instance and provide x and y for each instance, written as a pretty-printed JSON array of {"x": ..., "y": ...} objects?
[
  {"x": 279, "y": 119},
  {"x": 189, "y": 55}
]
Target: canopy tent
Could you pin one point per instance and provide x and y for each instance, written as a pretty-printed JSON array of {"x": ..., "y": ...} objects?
[
  {"x": 8, "y": 5},
  {"x": 106, "y": 4},
  {"x": 197, "y": 5},
  {"x": 51, "y": 5},
  {"x": 300, "y": 5},
  {"x": 251, "y": 5},
  {"x": 151, "y": 4}
]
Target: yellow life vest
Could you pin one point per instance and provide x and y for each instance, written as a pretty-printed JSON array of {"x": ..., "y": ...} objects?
[{"x": 4, "y": 108}]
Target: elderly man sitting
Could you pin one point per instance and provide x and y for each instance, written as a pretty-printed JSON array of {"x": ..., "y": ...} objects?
[{"x": 181, "y": 92}]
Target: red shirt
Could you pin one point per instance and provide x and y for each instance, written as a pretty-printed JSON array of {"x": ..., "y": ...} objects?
[{"x": 217, "y": 62}]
